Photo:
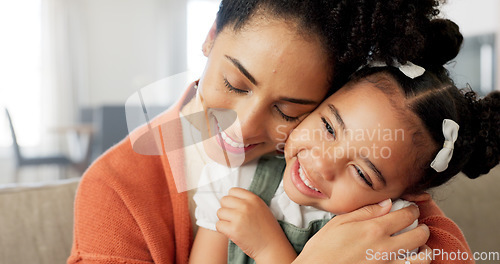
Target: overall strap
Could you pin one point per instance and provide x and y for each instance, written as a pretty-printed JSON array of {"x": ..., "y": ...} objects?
[
  {"x": 265, "y": 182},
  {"x": 297, "y": 236},
  {"x": 267, "y": 177}
]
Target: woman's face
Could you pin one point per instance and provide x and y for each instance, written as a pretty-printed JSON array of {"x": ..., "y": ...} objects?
[
  {"x": 352, "y": 151},
  {"x": 270, "y": 76}
]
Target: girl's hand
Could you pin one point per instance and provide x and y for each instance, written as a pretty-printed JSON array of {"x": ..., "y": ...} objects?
[
  {"x": 249, "y": 223},
  {"x": 364, "y": 236}
]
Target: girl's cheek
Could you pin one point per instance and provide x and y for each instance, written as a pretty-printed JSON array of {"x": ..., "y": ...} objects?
[{"x": 291, "y": 143}]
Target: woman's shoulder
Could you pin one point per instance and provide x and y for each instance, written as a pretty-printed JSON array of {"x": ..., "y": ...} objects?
[
  {"x": 137, "y": 162},
  {"x": 121, "y": 169},
  {"x": 445, "y": 236}
]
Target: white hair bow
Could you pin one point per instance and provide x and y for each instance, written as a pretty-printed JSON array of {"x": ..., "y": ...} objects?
[
  {"x": 409, "y": 69},
  {"x": 450, "y": 132}
]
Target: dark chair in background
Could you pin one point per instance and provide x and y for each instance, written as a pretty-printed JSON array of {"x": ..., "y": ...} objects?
[
  {"x": 110, "y": 123},
  {"x": 23, "y": 161}
]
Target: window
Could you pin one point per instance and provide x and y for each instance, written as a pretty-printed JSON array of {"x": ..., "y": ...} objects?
[
  {"x": 475, "y": 64},
  {"x": 200, "y": 17},
  {"x": 20, "y": 67}
]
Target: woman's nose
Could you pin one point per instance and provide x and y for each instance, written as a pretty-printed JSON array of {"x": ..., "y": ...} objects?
[{"x": 252, "y": 121}]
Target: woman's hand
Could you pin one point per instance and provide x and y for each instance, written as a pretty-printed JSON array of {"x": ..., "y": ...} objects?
[
  {"x": 364, "y": 236},
  {"x": 249, "y": 223}
]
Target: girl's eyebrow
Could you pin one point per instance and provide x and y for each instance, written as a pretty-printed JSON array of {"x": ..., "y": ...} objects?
[
  {"x": 372, "y": 166},
  {"x": 335, "y": 113},
  {"x": 375, "y": 170}
]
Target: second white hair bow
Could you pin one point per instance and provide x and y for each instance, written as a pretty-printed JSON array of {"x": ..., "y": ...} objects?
[
  {"x": 443, "y": 158},
  {"x": 409, "y": 69}
]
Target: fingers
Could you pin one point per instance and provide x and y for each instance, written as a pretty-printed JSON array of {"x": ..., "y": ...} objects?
[
  {"x": 224, "y": 227},
  {"x": 413, "y": 238},
  {"x": 225, "y": 214},
  {"x": 242, "y": 193},
  {"x": 398, "y": 220},
  {"x": 230, "y": 202},
  {"x": 238, "y": 204},
  {"x": 367, "y": 212},
  {"x": 227, "y": 217}
]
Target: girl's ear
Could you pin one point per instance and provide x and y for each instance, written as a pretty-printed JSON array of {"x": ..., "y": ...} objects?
[
  {"x": 417, "y": 197},
  {"x": 209, "y": 40}
]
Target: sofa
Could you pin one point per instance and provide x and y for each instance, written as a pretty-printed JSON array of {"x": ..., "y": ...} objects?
[{"x": 36, "y": 222}]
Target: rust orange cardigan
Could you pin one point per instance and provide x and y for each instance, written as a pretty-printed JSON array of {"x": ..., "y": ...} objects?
[{"x": 128, "y": 210}]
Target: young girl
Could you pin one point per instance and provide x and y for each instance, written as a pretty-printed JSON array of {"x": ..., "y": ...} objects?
[{"x": 391, "y": 131}]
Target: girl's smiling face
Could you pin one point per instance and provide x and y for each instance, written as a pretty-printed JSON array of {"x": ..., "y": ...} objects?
[{"x": 354, "y": 150}]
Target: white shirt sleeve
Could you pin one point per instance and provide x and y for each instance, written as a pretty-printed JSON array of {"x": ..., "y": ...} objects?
[
  {"x": 217, "y": 180},
  {"x": 400, "y": 204}
]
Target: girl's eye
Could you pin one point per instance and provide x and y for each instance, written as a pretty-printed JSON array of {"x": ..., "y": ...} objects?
[
  {"x": 363, "y": 177},
  {"x": 286, "y": 117},
  {"x": 232, "y": 88},
  {"x": 329, "y": 128}
]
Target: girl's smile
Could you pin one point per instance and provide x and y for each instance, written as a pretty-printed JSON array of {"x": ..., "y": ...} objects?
[{"x": 303, "y": 183}]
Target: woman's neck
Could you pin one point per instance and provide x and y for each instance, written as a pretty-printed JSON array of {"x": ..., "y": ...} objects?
[{"x": 192, "y": 110}]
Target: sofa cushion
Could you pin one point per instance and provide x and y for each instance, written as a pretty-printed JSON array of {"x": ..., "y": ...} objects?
[{"x": 36, "y": 222}]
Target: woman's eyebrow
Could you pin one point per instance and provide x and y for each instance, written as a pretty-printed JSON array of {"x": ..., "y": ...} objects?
[
  {"x": 298, "y": 101},
  {"x": 249, "y": 76},
  {"x": 242, "y": 69}
]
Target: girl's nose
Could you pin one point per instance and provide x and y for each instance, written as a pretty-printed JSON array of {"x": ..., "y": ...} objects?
[{"x": 328, "y": 161}]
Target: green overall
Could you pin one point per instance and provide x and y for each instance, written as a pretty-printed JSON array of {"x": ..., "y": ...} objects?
[{"x": 266, "y": 180}]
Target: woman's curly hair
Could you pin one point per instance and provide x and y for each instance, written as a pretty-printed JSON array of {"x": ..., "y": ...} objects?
[{"x": 349, "y": 30}]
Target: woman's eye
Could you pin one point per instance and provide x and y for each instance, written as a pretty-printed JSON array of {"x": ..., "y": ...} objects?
[
  {"x": 286, "y": 117},
  {"x": 232, "y": 88},
  {"x": 363, "y": 177},
  {"x": 329, "y": 128}
]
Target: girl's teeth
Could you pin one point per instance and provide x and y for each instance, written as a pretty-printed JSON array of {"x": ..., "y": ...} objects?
[
  {"x": 229, "y": 141},
  {"x": 305, "y": 180}
]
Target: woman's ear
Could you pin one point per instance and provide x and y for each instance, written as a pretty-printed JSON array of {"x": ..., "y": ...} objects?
[{"x": 209, "y": 40}]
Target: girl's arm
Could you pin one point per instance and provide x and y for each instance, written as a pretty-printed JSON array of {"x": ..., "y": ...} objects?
[
  {"x": 209, "y": 247},
  {"x": 249, "y": 223}
]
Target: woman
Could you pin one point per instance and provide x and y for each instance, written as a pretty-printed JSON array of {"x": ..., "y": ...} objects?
[{"x": 271, "y": 62}]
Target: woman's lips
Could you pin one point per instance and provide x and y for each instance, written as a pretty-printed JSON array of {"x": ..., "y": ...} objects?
[
  {"x": 231, "y": 145},
  {"x": 303, "y": 183}
]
